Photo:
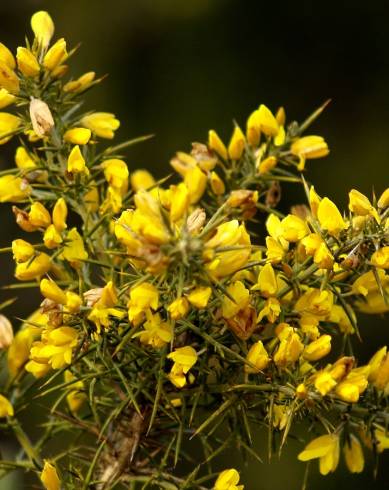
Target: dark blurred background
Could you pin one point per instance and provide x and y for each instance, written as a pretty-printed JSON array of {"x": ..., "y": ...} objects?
[{"x": 177, "y": 68}]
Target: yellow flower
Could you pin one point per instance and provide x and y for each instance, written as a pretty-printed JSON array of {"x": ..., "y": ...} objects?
[
  {"x": 228, "y": 480},
  {"x": 217, "y": 185},
  {"x": 8, "y": 125},
  {"x": 6, "y": 98},
  {"x": 360, "y": 205},
  {"x": 38, "y": 216},
  {"x": 383, "y": 201},
  {"x": 81, "y": 84},
  {"x": 77, "y": 136},
  {"x": 27, "y": 62},
  {"x": 237, "y": 144},
  {"x": 23, "y": 159},
  {"x": 266, "y": 121},
  {"x": 267, "y": 281},
  {"x": 315, "y": 302},
  {"x": 318, "y": 348},
  {"x": 217, "y": 145},
  {"x": 103, "y": 124},
  {"x": 141, "y": 179},
  {"x": 324, "y": 382},
  {"x": 275, "y": 252},
  {"x": 142, "y": 298},
  {"x": 314, "y": 201},
  {"x": 326, "y": 449},
  {"x": 60, "y": 213},
  {"x": 43, "y": 28},
  {"x": 315, "y": 246},
  {"x": 353, "y": 384},
  {"x": 309, "y": 147},
  {"x": 380, "y": 258},
  {"x": 267, "y": 165},
  {"x": 50, "y": 290},
  {"x": 180, "y": 201},
  {"x": 76, "y": 396},
  {"x": 258, "y": 356},
  {"x": 184, "y": 359},
  {"x": 196, "y": 182},
  {"x": 240, "y": 299},
  {"x": 116, "y": 174},
  {"x": 6, "y": 409},
  {"x": 56, "y": 55},
  {"x": 49, "y": 477},
  {"x": 156, "y": 333},
  {"x": 22, "y": 250},
  {"x": 8, "y": 78},
  {"x": 339, "y": 316},
  {"x": 253, "y": 129},
  {"x": 330, "y": 218},
  {"x": 290, "y": 347},
  {"x": 353, "y": 454},
  {"x": 379, "y": 370},
  {"x": 33, "y": 269},
  {"x": 7, "y": 57},
  {"x": 74, "y": 249},
  {"x": 178, "y": 308},
  {"x": 271, "y": 310},
  {"x": 52, "y": 238},
  {"x": 199, "y": 297},
  {"x": 76, "y": 162},
  {"x": 366, "y": 283},
  {"x": 293, "y": 228}
]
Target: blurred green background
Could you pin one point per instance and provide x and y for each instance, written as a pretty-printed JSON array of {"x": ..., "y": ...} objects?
[{"x": 177, "y": 68}]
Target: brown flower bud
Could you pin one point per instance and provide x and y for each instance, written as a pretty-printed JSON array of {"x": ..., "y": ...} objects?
[
  {"x": 6, "y": 332},
  {"x": 273, "y": 195},
  {"x": 41, "y": 118}
]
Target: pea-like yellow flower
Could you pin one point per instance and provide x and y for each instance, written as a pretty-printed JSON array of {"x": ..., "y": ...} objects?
[
  {"x": 156, "y": 333},
  {"x": 217, "y": 185},
  {"x": 178, "y": 308},
  {"x": 199, "y": 296},
  {"x": 141, "y": 179},
  {"x": 315, "y": 302},
  {"x": 6, "y": 98},
  {"x": 39, "y": 216},
  {"x": 74, "y": 249},
  {"x": 56, "y": 55},
  {"x": 293, "y": 228},
  {"x": 116, "y": 174},
  {"x": 76, "y": 397},
  {"x": 196, "y": 182},
  {"x": 326, "y": 449},
  {"x": 142, "y": 298},
  {"x": 290, "y": 347},
  {"x": 360, "y": 205},
  {"x": 258, "y": 356},
  {"x": 52, "y": 291},
  {"x": 330, "y": 218},
  {"x": 81, "y": 84},
  {"x": 383, "y": 201},
  {"x": 309, "y": 147},
  {"x": 49, "y": 477},
  {"x": 60, "y": 213},
  {"x": 318, "y": 348},
  {"x": 217, "y": 145},
  {"x": 52, "y": 238},
  {"x": 324, "y": 382},
  {"x": 77, "y": 136},
  {"x": 228, "y": 480},
  {"x": 23, "y": 159},
  {"x": 43, "y": 28},
  {"x": 27, "y": 62},
  {"x": 271, "y": 310},
  {"x": 238, "y": 298},
  {"x": 380, "y": 258},
  {"x": 102, "y": 124},
  {"x": 6, "y": 409},
  {"x": 33, "y": 269},
  {"x": 8, "y": 78},
  {"x": 267, "y": 281},
  {"x": 76, "y": 162},
  {"x": 237, "y": 144},
  {"x": 7, "y": 57},
  {"x": 353, "y": 455},
  {"x": 184, "y": 359},
  {"x": 353, "y": 385},
  {"x": 8, "y": 125},
  {"x": 266, "y": 165},
  {"x": 22, "y": 250}
]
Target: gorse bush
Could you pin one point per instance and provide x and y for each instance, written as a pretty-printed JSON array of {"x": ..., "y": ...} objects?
[{"x": 168, "y": 313}]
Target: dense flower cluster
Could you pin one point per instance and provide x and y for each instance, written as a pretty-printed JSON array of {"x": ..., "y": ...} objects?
[{"x": 163, "y": 314}]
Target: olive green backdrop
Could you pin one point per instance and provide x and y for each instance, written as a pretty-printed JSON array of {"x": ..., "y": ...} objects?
[{"x": 179, "y": 67}]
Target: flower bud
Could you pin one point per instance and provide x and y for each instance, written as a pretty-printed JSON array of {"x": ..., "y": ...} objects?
[
  {"x": 36, "y": 268},
  {"x": 216, "y": 144},
  {"x": 6, "y": 98},
  {"x": 237, "y": 144},
  {"x": 6, "y": 332},
  {"x": 383, "y": 201},
  {"x": 13, "y": 189},
  {"x": 103, "y": 124},
  {"x": 258, "y": 356},
  {"x": 81, "y": 84},
  {"x": 76, "y": 162},
  {"x": 56, "y": 55},
  {"x": 318, "y": 348},
  {"x": 60, "y": 213},
  {"x": 77, "y": 136},
  {"x": 41, "y": 117},
  {"x": 27, "y": 62},
  {"x": 8, "y": 78},
  {"x": 8, "y": 126},
  {"x": 22, "y": 250},
  {"x": 141, "y": 179},
  {"x": 199, "y": 297},
  {"x": 7, "y": 57}
]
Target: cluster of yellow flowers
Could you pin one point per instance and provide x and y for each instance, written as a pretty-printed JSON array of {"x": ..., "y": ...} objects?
[{"x": 160, "y": 303}]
